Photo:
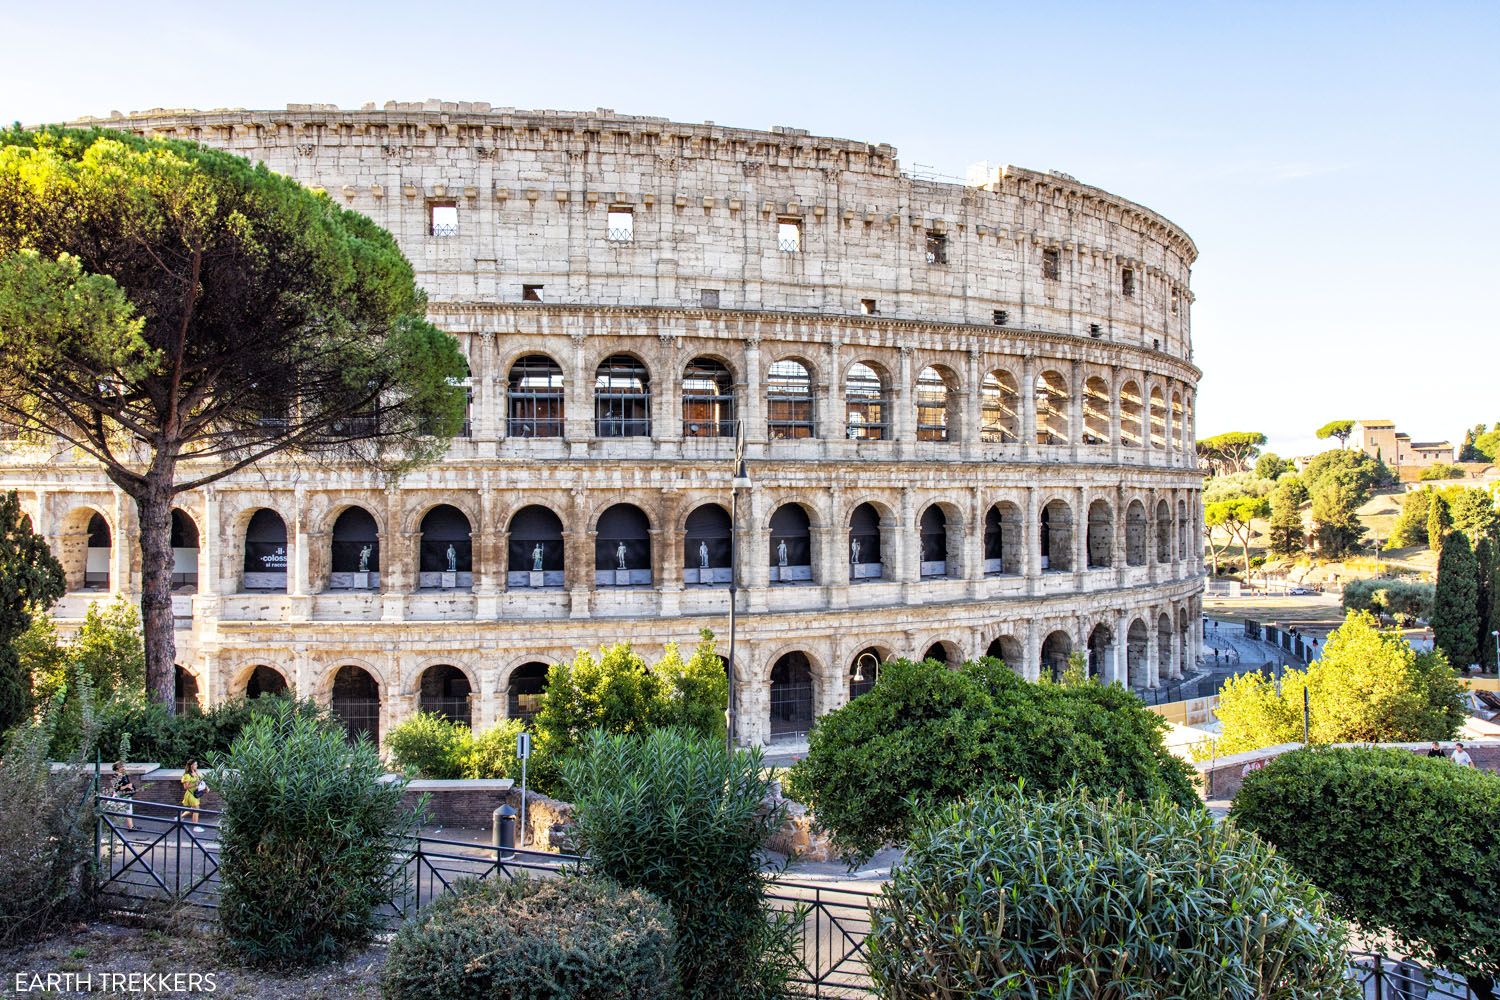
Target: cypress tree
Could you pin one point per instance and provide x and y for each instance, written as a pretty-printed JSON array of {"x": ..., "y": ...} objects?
[
  {"x": 1439, "y": 520},
  {"x": 1487, "y": 564},
  {"x": 31, "y": 579},
  {"x": 1455, "y": 604}
]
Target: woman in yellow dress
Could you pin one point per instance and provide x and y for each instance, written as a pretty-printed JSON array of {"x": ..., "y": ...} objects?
[{"x": 193, "y": 786}]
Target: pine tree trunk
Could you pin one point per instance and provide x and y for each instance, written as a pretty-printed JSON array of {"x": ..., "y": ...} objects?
[{"x": 154, "y": 506}]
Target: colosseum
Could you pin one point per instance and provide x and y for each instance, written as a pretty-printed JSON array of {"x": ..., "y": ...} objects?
[{"x": 966, "y": 411}]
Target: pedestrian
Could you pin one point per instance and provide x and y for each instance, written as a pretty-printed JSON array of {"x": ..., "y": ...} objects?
[
  {"x": 124, "y": 789},
  {"x": 193, "y": 787},
  {"x": 1461, "y": 756},
  {"x": 1436, "y": 750}
]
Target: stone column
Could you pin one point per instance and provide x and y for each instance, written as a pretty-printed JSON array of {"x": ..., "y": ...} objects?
[
  {"x": 973, "y": 549},
  {"x": 1075, "y": 408},
  {"x": 1169, "y": 425},
  {"x": 1028, "y": 406},
  {"x": 209, "y": 546},
  {"x": 1031, "y": 669},
  {"x": 1119, "y": 558},
  {"x": 908, "y": 548},
  {"x": 578, "y": 556},
  {"x": 1116, "y": 382},
  {"x": 1121, "y": 647},
  {"x": 751, "y": 404},
  {"x": 752, "y": 549},
  {"x": 973, "y": 398},
  {"x": 904, "y": 404},
  {"x": 1031, "y": 552},
  {"x": 831, "y": 540},
  {"x": 833, "y": 427},
  {"x": 482, "y": 377},
  {"x": 1153, "y": 646},
  {"x": 666, "y": 396},
  {"x": 578, "y": 423},
  {"x": 667, "y": 555},
  {"x": 300, "y": 603},
  {"x": 1080, "y": 537}
]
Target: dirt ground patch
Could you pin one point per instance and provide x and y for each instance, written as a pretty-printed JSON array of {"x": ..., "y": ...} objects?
[{"x": 98, "y": 949}]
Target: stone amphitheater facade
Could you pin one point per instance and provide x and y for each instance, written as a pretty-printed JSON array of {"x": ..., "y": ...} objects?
[{"x": 966, "y": 408}]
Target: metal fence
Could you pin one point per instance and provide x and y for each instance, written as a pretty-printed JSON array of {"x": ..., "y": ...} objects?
[{"x": 156, "y": 856}]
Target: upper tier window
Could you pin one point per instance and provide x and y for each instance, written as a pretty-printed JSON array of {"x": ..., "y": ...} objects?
[
  {"x": 789, "y": 235},
  {"x": 621, "y": 225},
  {"x": 442, "y": 218}
]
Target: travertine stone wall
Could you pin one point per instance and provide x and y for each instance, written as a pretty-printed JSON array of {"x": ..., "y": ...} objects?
[{"x": 1094, "y": 479}]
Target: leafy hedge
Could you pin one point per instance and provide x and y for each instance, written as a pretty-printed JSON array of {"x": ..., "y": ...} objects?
[
  {"x": 1011, "y": 895},
  {"x": 926, "y": 735},
  {"x": 544, "y": 939},
  {"x": 310, "y": 840},
  {"x": 1405, "y": 843},
  {"x": 675, "y": 814},
  {"x": 434, "y": 747}
]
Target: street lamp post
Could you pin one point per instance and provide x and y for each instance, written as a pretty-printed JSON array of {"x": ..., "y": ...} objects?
[{"x": 740, "y": 481}]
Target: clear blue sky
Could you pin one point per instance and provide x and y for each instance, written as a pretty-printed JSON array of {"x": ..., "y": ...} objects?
[{"x": 1335, "y": 162}]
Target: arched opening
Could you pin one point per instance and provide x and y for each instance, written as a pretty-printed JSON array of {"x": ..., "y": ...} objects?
[
  {"x": 1185, "y": 664},
  {"x": 1131, "y": 415},
  {"x": 1179, "y": 428},
  {"x": 1182, "y": 529},
  {"x": 1101, "y": 650},
  {"x": 1052, "y": 397},
  {"x": 356, "y": 703},
  {"x": 265, "y": 552},
  {"x": 622, "y": 547},
  {"x": 707, "y": 399},
  {"x": 1002, "y": 539},
  {"x": 791, "y": 545},
  {"x": 355, "y": 552},
  {"x": 934, "y": 401},
  {"x": 96, "y": 560},
  {"x": 1007, "y": 650},
  {"x": 185, "y": 691},
  {"x": 534, "y": 550},
  {"x": 1055, "y": 650},
  {"x": 1163, "y": 532},
  {"x": 445, "y": 553},
  {"x": 467, "y": 382},
  {"x": 791, "y": 696},
  {"x": 1056, "y": 531},
  {"x": 1158, "y": 419},
  {"x": 1101, "y": 535},
  {"x": 866, "y": 403},
  {"x": 1135, "y": 534},
  {"x": 864, "y": 671},
  {"x": 942, "y": 652},
  {"x": 523, "y": 695},
  {"x": 535, "y": 398},
  {"x": 1164, "y": 647},
  {"x": 265, "y": 682},
  {"x": 789, "y": 401},
  {"x": 1188, "y": 433},
  {"x": 999, "y": 409},
  {"x": 1095, "y": 411},
  {"x": 1137, "y": 667},
  {"x": 706, "y": 546},
  {"x": 184, "y": 550},
  {"x": 444, "y": 690},
  {"x": 933, "y": 533},
  {"x": 864, "y": 544},
  {"x": 622, "y": 398}
]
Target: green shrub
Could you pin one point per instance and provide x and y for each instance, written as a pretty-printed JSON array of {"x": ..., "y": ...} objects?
[
  {"x": 430, "y": 745},
  {"x": 564, "y": 938},
  {"x": 675, "y": 814},
  {"x": 310, "y": 839},
  {"x": 1369, "y": 686},
  {"x": 492, "y": 754},
  {"x": 1009, "y": 895},
  {"x": 1405, "y": 844},
  {"x": 46, "y": 827},
  {"x": 925, "y": 734},
  {"x": 1403, "y": 600}
]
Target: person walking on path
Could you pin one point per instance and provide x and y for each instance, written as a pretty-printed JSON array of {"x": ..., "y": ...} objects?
[
  {"x": 1436, "y": 750},
  {"x": 124, "y": 789},
  {"x": 1461, "y": 756},
  {"x": 193, "y": 787}
]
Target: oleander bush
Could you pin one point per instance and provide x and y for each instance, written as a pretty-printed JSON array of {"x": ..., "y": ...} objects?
[
  {"x": 926, "y": 735},
  {"x": 675, "y": 814},
  {"x": 1009, "y": 894},
  {"x": 568, "y": 938},
  {"x": 311, "y": 840},
  {"x": 1405, "y": 844},
  {"x": 46, "y": 825}
]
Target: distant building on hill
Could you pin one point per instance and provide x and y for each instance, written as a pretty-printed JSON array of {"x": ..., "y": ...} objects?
[{"x": 1380, "y": 440}]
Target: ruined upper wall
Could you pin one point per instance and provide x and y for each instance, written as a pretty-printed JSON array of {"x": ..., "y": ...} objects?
[{"x": 533, "y": 189}]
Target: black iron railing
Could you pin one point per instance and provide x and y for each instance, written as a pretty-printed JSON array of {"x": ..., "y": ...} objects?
[{"x": 168, "y": 860}]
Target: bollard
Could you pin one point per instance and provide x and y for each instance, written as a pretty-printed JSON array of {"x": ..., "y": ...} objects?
[{"x": 505, "y": 828}]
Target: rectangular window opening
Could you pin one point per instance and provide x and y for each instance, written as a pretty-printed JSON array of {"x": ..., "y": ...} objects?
[
  {"x": 1001, "y": 317},
  {"x": 621, "y": 225},
  {"x": 1052, "y": 264},
  {"x": 442, "y": 218},
  {"x": 1175, "y": 298},
  {"x": 531, "y": 293},
  {"x": 937, "y": 247},
  {"x": 789, "y": 235},
  {"x": 708, "y": 298},
  {"x": 870, "y": 307},
  {"x": 1127, "y": 282}
]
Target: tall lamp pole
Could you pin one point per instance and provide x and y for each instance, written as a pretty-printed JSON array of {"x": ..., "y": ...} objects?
[{"x": 740, "y": 481}]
